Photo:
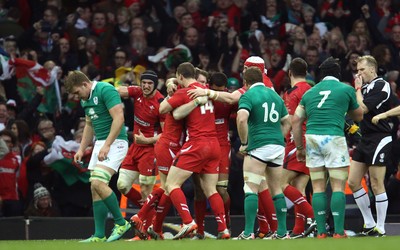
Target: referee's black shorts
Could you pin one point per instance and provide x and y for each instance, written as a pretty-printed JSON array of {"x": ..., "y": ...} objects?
[{"x": 374, "y": 150}]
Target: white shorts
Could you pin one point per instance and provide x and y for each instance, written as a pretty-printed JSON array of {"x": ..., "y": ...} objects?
[
  {"x": 269, "y": 153},
  {"x": 326, "y": 150},
  {"x": 115, "y": 156}
]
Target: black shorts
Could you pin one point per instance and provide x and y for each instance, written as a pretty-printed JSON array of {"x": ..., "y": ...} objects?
[{"x": 374, "y": 150}]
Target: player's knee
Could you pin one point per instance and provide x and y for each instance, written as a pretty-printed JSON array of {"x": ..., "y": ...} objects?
[
  {"x": 338, "y": 174},
  {"x": 252, "y": 179},
  {"x": 222, "y": 187},
  {"x": 353, "y": 185},
  {"x": 124, "y": 182},
  {"x": 147, "y": 180},
  {"x": 319, "y": 175},
  {"x": 98, "y": 176}
]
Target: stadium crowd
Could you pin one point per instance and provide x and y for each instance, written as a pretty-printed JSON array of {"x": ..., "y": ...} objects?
[{"x": 148, "y": 50}]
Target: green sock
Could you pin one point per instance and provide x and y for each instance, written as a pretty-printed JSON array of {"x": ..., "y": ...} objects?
[
  {"x": 100, "y": 214},
  {"x": 112, "y": 205},
  {"x": 250, "y": 212},
  {"x": 338, "y": 204},
  {"x": 319, "y": 206},
  {"x": 281, "y": 212}
]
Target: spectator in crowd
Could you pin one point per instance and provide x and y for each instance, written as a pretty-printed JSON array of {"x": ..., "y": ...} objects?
[
  {"x": 42, "y": 204},
  {"x": 272, "y": 17},
  {"x": 24, "y": 139},
  {"x": 9, "y": 162},
  {"x": 349, "y": 69},
  {"x": 3, "y": 115},
  {"x": 312, "y": 58},
  {"x": 122, "y": 27}
]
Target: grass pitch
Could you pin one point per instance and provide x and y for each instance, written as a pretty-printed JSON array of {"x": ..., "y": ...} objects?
[{"x": 365, "y": 243}]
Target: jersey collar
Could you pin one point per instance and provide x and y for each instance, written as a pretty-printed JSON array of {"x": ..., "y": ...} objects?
[
  {"x": 326, "y": 78},
  {"x": 94, "y": 83},
  {"x": 257, "y": 84}
]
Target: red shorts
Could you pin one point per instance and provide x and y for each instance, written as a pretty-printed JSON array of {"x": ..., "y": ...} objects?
[
  {"x": 165, "y": 154},
  {"x": 199, "y": 156},
  {"x": 290, "y": 161},
  {"x": 140, "y": 159},
  {"x": 225, "y": 159}
]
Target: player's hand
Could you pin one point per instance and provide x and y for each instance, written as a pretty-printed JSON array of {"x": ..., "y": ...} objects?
[
  {"x": 172, "y": 86},
  {"x": 140, "y": 138},
  {"x": 193, "y": 93},
  {"x": 375, "y": 119},
  {"x": 243, "y": 149},
  {"x": 103, "y": 153},
  {"x": 78, "y": 157},
  {"x": 301, "y": 155},
  {"x": 201, "y": 100},
  {"x": 358, "y": 81}
]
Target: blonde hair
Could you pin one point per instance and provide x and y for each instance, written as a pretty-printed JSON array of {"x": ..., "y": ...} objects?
[
  {"x": 75, "y": 78},
  {"x": 370, "y": 61}
]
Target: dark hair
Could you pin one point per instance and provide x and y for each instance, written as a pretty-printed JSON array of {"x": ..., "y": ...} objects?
[
  {"x": 379, "y": 53},
  {"x": 252, "y": 75},
  {"x": 202, "y": 72},
  {"x": 330, "y": 67},
  {"x": 298, "y": 67},
  {"x": 24, "y": 134},
  {"x": 219, "y": 79},
  {"x": 187, "y": 70},
  {"x": 9, "y": 133}
]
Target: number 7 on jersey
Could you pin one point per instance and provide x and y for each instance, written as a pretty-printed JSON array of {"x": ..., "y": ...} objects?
[{"x": 325, "y": 95}]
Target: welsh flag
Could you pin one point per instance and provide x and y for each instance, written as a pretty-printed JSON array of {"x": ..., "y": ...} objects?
[
  {"x": 30, "y": 74},
  {"x": 61, "y": 159},
  {"x": 6, "y": 70}
]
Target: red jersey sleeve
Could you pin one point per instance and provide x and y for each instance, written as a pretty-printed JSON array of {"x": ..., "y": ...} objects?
[
  {"x": 134, "y": 91},
  {"x": 179, "y": 98}
]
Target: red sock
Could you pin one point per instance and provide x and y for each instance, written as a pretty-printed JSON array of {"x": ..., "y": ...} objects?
[
  {"x": 134, "y": 196},
  {"x": 179, "y": 200},
  {"x": 262, "y": 221},
  {"x": 298, "y": 221},
  {"x": 148, "y": 205},
  {"x": 299, "y": 200},
  {"x": 200, "y": 207},
  {"x": 265, "y": 199},
  {"x": 162, "y": 210},
  {"x": 148, "y": 220},
  {"x": 227, "y": 206},
  {"x": 217, "y": 205}
]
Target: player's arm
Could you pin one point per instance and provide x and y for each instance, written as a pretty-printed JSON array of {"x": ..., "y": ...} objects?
[
  {"x": 286, "y": 124},
  {"x": 171, "y": 85},
  {"x": 297, "y": 121},
  {"x": 222, "y": 96},
  {"x": 392, "y": 112},
  {"x": 360, "y": 99},
  {"x": 123, "y": 91},
  {"x": 165, "y": 107},
  {"x": 141, "y": 139},
  {"x": 184, "y": 110},
  {"x": 242, "y": 127},
  {"x": 356, "y": 114}
]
